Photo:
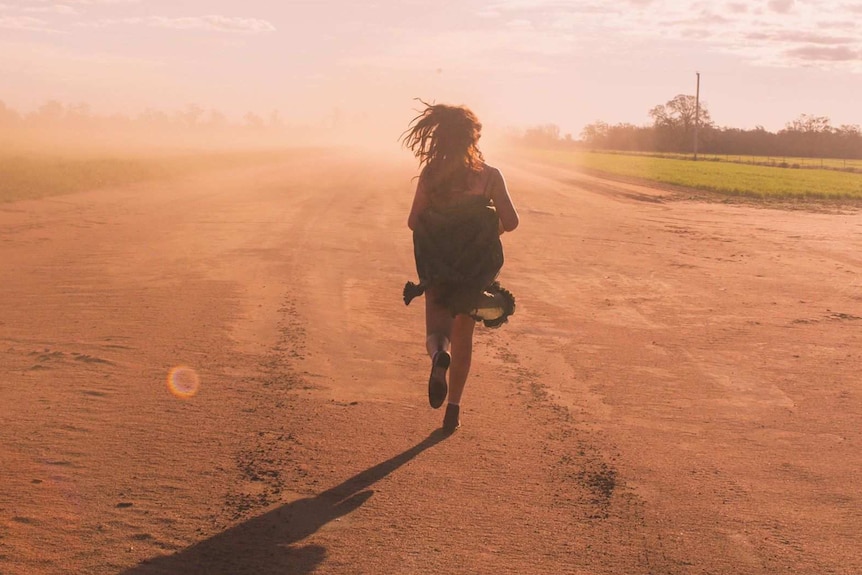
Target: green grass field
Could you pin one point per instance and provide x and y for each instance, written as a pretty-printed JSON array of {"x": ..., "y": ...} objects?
[
  {"x": 31, "y": 175},
  {"x": 722, "y": 177},
  {"x": 773, "y": 161}
]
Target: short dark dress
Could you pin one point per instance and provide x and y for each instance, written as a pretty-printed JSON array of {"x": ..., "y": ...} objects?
[{"x": 458, "y": 253}]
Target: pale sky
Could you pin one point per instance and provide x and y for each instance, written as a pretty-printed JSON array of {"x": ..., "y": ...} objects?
[{"x": 515, "y": 62}]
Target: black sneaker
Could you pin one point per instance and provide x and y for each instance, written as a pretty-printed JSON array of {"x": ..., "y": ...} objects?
[
  {"x": 437, "y": 386},
  {"x": 451, "y": 421}
]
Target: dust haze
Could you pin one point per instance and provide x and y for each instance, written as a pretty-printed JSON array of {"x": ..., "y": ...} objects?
[
  {"x": 56, "y": 127},
  {"x": 60, "y": 148}
]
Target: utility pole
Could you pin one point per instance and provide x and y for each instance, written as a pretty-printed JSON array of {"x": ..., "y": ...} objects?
[{"x": 696, "y": 115}]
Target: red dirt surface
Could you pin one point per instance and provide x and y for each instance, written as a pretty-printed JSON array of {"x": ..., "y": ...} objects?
[{"x": 678, "y": 392}]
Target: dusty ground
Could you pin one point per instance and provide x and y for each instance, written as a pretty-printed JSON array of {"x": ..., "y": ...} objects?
[{"x": 678, "y": 392}]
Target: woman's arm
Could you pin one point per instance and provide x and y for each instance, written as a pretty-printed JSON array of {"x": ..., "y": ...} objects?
[{"x": 506, "y": 211}]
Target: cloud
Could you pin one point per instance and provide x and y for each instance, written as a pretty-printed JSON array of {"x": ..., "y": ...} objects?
[
  {"x": 490, "y": 13},
  {"x": 25, "y": 23},
  {"x": 836, "y": 24},
  {"x": 821, "y": 53},
  {"x": 529, "y": 5},
  {"x": 801, "y": 37},
  {"x": 780, "y": 6},
  {"x": 211, "y": 22},
  {"x": 58, "y": 5},
  {"x": 63, "y": 9},
  {"x": 774, "y": 32},
  {"x": 519, "y": 24},
  {"x": 705, "y": 18},
  {"x": 101, "y": 2}
]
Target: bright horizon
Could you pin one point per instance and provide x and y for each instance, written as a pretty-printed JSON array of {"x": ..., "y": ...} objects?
[{"x": 517, "y": 63}]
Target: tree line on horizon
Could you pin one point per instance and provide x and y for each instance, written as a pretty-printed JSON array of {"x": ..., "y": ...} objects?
[
  {"x": 62, "y": 125},
  {"x": 55, "y": 114},
  {"x": 673, "y": 131}
]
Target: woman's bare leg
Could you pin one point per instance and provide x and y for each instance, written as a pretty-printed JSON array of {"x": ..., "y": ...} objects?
[
  {"x": 462, "y": 355},
  {"x": 438, "y": 325}
]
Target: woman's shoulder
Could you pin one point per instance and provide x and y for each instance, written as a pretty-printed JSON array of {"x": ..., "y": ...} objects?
[
  {"x": 489, "y": 169},
  {"x": 491, "y": 176},
  {"x": 491, "y": 173}
]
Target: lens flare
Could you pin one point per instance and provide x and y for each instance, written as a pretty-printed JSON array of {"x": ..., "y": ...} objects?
[{"x": 183, "y": 381}]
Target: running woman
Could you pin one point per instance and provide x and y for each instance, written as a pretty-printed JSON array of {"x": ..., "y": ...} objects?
[{"x": 460, "y": 209}]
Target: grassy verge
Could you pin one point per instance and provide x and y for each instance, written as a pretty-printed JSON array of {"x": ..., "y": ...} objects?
[
  {"x": 721, "y": 177},
  {"x": 31, "y": 175}
]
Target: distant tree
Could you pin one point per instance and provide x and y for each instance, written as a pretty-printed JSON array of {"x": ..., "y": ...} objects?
[
  {"x": 849, "y": 141},
  {"x": 79, "y": 116},
  {"x": 680, "y": 112},
  {"x": 191, "y": 115},
  {"x": 119, "y": 121},
  {"x": 595, "y": 134},
  {"x": 807, "y": 136},
  {"x": 275, "y": 120},
  {"x": 253, "y": 121},
  {"x": 547, "y": 135},
  {"x": 8, "y": 116},
  {"x": 154, "y": 119},
  {"x": 809, "y": 124},
  {"x": 674, "y": 122},
  {"x": 627, "y": 137},
  {"x": 853, "y": 130},
  {"x": 50, "y": 113},
  {"x": 80, "y": 110},
  {"x": 216, "y": 120}
]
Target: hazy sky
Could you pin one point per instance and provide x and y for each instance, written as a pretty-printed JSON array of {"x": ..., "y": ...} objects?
[{"x": 516, "y": 62}]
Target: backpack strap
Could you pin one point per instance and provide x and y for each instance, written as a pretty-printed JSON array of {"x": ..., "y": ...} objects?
[{"x": 486, "y": 191}]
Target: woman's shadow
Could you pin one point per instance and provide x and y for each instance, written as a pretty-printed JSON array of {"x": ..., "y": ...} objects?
[{"x": 264, "y": 545}]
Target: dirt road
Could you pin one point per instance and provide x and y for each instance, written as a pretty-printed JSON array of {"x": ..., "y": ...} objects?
[{"x": 678, "y": 392}]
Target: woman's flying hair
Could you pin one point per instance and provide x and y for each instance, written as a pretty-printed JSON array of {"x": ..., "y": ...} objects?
[{"x": 445, "y": 140}]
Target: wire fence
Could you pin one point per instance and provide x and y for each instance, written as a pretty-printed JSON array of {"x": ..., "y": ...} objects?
[{"x": 848, "y": 165}]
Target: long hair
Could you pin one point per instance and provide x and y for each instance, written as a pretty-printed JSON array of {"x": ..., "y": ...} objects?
[{"x": 445, "y": 139}]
